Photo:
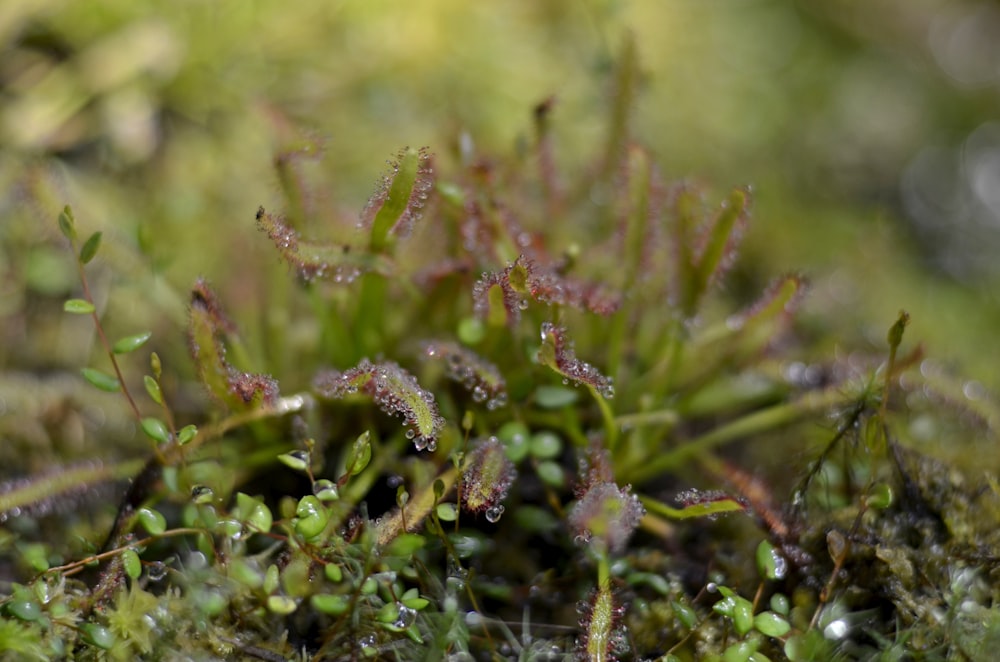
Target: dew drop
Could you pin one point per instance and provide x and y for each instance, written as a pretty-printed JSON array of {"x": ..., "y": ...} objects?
[
  {"x": 523, "y": 304},
  {"x": 156, "y": 571},
  {"x": 411, "y": 433},
  {"x": 367, "y": 641},
  {"x": 493, "y": 514},
  {"x": 406, "y": 616}
]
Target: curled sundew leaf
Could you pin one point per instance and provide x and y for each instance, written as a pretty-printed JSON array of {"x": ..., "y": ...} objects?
[
  {"x": 313, "y": 260},
  {"x": 475, "y": 373},
  {"x": 495, "y": 300},
  {"x": 399, "y": 197},
  {"x": 207, "y": 325},
  {"x": 394, "y": 390},
  {"x": 557, "y": 353},
  {"x": 487, "y": 475},
  {"x": 499, "y": 296}
]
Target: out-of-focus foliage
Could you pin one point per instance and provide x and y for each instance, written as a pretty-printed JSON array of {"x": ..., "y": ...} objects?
[{"x": 864, "y": 127}]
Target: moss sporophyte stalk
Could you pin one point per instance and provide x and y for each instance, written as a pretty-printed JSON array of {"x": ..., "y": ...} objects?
[{"x": 503, "y": 389}]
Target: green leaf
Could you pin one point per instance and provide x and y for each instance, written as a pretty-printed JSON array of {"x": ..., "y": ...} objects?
[
  {"x": 281, "y": 605},
  {"x": 297, "y": 460},
  {"x": 90, "y": 247},
  {"x": 361, "y": 454},
  {"x": 333, "y": 572},
  {"x": 742, "y": 616},
  {"x": 78, "y": 307},
  {"x": 131, "y": 343},
  {"x": 334, "y": 605},
  {"x": 152, "y": 520},
  {"x": 397, "y": 199},
  {"x": 771, "y": 624},
  {"x": 254, "y": 512},
  {"x": 101, "y": 380},
  {"x": 67, "y": 224},
  {"x": 186, "y": 434},
  {"x": 153, "y": 389},
  {"x": 155, "y": 429},
  {"x": 446, "y": 512},
  {"x": 311, "y": 517},
  {"x": 130, "y": 560},
  {"x": 26, "y": 610},
  {"x": 98, "y": 635},
  {"x": 406, "y": 544}
]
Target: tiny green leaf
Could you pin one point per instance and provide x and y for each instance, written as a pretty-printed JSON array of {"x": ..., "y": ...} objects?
[
  {"x": 153, "y": 389},
  {"x": 406, "y": 544},
  {"x": 271, "y": 579},
  {"x": 130, "y": 560},
  {"x": 254, "y": 512},
  {"x": 79, "y": 307},
  {"x": 446, "y": 512},
  {"x": 131, "y": 343},
  {"x": 333, "y": 572},
  {"x": 771, "y": 624},
  {"x": 26, "y": 610},
  {"x": 742, "y": 615},
  {"x": 152, "y": 520},
  {"x": 361, "y": 454},
  {"x": 98, "y": 635},
  {"x": 90, "y": 247},
  {"x": 281, "y": 605},
  {"x": 67, "y": 224},
  {"x": 334, "y": 605},
  {"x": 187, "y": 433},
  {"x": 155, "y": 429},
  {"x": 101, "y": 380},
  {"x": 297, "y": 460},
  {"x": 311, "y": 517}
]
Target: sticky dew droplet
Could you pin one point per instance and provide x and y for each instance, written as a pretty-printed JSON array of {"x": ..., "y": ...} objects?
[
  {"x": 406, "y": 617},
  {"x": 156, "y": 571}
]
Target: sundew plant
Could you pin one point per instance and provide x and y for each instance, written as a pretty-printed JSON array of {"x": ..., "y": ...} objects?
[{"x": 523, "y": 416}]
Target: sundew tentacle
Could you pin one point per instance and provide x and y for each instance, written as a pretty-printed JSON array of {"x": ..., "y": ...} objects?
[
  {"x": 395, "y": 391},
  {"x": 479, "y": 376},
  {"x": 557, "y": 353}
]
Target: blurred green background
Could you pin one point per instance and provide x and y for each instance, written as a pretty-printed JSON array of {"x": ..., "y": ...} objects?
[{"x": 868, "y": 130}]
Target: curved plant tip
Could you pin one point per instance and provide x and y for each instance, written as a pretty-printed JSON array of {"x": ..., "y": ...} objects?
[
  {"x": 487, "y": 474},
  {"x": 399, "y": 198},
  {"x": 500, "y": 296},
  {"x": 476, "y": 374},
  {"x": 206, "y": 328},
  {"x": 557, "y": 353},
  {"x": 394, "y": 390},
  {"x": 313, "y": 260}
]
